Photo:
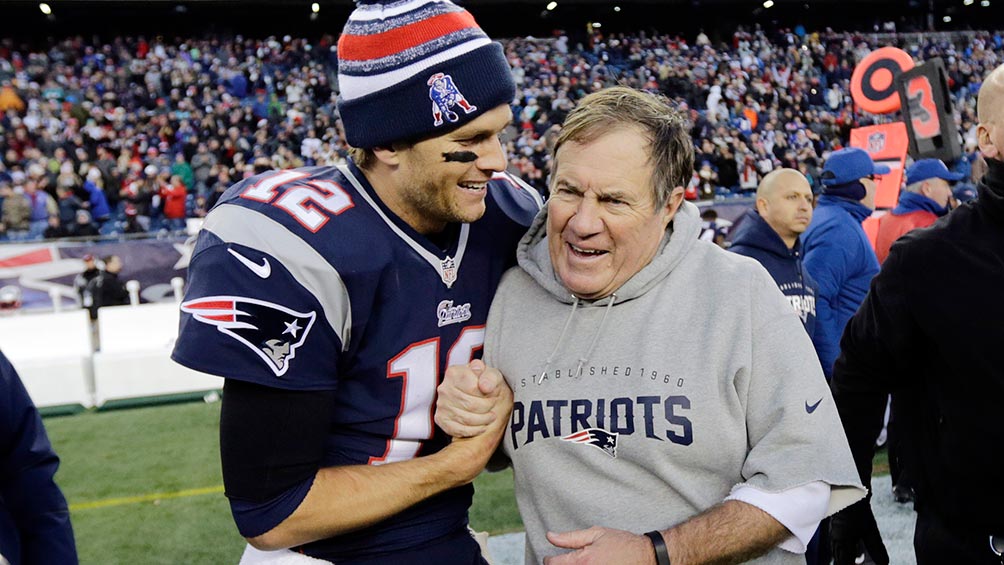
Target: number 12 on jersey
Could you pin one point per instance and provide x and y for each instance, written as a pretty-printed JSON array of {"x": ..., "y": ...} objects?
[
  {"x": 302, "y": 200},
  {"x": 418, "y": 367}
]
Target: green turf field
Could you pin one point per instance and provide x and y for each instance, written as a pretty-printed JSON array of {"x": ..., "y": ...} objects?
[{"x": 144, "y": 486}]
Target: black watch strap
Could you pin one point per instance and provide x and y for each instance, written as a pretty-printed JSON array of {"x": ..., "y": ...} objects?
[{"x": 659, "y": 545}]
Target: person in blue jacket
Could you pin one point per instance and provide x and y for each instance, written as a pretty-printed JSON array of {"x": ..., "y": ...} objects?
[
  {"x": 770, "y": 234},
  {"x": 838, "y": 254},
  {"x": 34, "y": 518}
]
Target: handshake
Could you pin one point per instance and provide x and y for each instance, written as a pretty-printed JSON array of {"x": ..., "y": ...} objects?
[
  {"x": 471, "y": 399},
  {"x": 472, "y": 406}
]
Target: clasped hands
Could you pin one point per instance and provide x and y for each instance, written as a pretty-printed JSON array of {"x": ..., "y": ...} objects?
[{"x": 473, "y": 403}]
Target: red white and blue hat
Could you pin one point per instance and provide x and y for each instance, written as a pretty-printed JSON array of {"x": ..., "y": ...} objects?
[{"x": 416, "y": 68}]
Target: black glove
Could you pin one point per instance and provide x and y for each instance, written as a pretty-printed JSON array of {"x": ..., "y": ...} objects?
[{"x": 852, "y": 528}]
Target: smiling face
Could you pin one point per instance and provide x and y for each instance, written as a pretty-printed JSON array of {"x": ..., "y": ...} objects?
[
  {"x": 431, "y": 186},
  {"x": 602, "y": 225}
]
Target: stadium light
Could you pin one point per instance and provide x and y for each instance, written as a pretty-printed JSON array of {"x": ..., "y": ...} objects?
[
  {"x": 617, "y": 8},
  {"x": 985, "y": 3},
  {"x": 597, "y": 25},
  {"x": 968, "y": 2},
  {"x": 551, "y": 5},
  {"x": 947, "y": 19},
  {"x": 315, "y": 7},
  {"x": 768, "y": 3},
  {"x": 45, "y": 9}
]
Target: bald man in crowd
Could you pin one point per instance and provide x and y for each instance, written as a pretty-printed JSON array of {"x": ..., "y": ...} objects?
[
  {"x": 946, "y": 357},
  {"x": 770, "y": 234}
]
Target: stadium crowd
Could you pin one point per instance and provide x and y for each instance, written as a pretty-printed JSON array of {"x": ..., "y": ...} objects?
[{"x": 137, "y": 134}]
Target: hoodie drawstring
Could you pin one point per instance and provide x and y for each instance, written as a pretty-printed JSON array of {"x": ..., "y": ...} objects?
[
  {"x": 592, "y": 344},
  {"x": 561, "y": 337}
]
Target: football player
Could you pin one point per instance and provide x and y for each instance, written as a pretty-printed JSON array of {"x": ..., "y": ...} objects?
[{"x": 333, "y": 298}]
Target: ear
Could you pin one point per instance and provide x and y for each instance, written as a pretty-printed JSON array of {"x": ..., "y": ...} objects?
[
  {"x": 986, "y": 144},
  {"x": 761, "y": 206},
  {"x": 387, "y": 155},
  {"x": 672, "y": 205}
]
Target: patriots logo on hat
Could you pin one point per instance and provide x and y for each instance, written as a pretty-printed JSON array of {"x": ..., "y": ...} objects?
[
  {"x": 597, "y": 437},
  {"x": 272, "y": 331},
  {"x": 445, "y": 97}
]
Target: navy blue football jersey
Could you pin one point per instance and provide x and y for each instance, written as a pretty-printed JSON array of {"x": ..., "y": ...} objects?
[{"x": 304, "y": 280}]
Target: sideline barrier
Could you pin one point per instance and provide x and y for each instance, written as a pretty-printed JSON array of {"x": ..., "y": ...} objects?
[
  {"x": 135, "y": 356},
  {"x": 52, "y": 354}
]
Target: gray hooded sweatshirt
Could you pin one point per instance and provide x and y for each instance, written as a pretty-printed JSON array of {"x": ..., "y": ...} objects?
[{"x": 642, "y": 409}]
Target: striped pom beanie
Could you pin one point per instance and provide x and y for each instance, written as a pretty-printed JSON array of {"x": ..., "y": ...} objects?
[{"x": 416, "y": 68}]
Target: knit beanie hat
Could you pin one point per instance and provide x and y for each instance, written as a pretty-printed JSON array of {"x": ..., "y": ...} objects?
[{"x": 415, "y": 68}]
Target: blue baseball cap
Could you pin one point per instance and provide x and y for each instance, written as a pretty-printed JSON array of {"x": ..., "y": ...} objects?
[
  {"x": 848, "y": 165},
  {"x": 925, "y": 169}
]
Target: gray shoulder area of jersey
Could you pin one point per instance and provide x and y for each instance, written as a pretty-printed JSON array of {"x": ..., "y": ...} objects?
[{"x": 237, "y": 224}]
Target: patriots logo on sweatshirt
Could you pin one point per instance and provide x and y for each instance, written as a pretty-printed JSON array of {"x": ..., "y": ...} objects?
[
  {"x": 597, "y": 437},
  {"x": 272, "y": 331}
]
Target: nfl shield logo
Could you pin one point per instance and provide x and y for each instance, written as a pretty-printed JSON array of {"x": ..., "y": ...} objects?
[
  {"x": 448, "y": 271},
  {"x": 876, "y": 142}
]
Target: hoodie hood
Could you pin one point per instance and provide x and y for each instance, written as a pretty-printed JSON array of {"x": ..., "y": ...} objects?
[
  {"x": 755, "y": 232},
  {"x": 913, "y": 202},
  {"x": 681, "y": 235}
]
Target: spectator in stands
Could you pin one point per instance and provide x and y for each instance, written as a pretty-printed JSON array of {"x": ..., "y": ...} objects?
[
  {"x": 83, "y": 225},
  {"x": 139, "y": 193},
  {"x": 43, "y": 210},
  {"x": 173, "y": 197},
  {"x": 713, "y": 228},
  {"x": 68, "y": 205},
  {"x": 838, "y": 254},
  {"x": 924, "y": 199},
  {"x": 97, "y": 201},
  {"x": 15, "y": 211},
  {"x": 106, "y": 289},
  {"x": 183, "y": 171},
  {"x": 202, "y": 166},
  {"x": 34, "y": 518},
  {"x": 757, "y": 89},
  {"x": 133, "y": 224}
]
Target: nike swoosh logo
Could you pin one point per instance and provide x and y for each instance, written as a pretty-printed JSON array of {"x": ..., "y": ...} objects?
[
  {"x": 810, "y": 408},
  {"x": 263, "y": 270}
]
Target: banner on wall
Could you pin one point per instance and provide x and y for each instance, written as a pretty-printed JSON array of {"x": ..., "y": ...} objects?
[{"x": 45, "y": 267}]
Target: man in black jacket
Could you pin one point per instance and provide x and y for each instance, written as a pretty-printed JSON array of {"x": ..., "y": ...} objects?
[
  {"x": 106, "y": 289},
  {"x": 946, "y": 360}
]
